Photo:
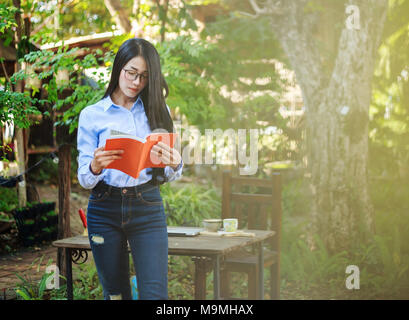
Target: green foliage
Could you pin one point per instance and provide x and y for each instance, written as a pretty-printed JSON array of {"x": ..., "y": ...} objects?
[
  {"x": 314, "y": 267},
  {"x": 389, "y": 115},
  {"x": 295, "y": 198},
  {"x": 180, "y": 282},
  {"x": 190, "y": 204},
  {"x": 72, "y": 19},
  {"x": 252, "y": 87},
  {"x": 87, "y": 286},
  {"x": 7, "y": 22},
  {"x": 30, "y": 289},
  {"x": 47, "y": 172},
  {"x": 51, "y": 213},
  {"x": 8, "y": 199},
  {"x": 16, "y": 106},
  {"x": 83, "y": 94},
  {"x": 29, "y": 222},
  {"x": 27, "y": 290},
  {"x": 391, "y": 203},
  {"x": 189, "y": 71}
]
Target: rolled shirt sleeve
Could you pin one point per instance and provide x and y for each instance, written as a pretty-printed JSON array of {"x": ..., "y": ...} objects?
[
  {"x": 87, "y": 142},
  {"x": 171, "y": 174}
]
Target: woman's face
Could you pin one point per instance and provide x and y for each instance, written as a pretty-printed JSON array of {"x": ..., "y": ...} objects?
[{"x": 133, "y": 77}]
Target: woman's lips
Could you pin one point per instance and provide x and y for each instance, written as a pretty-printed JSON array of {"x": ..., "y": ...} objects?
[{"x": 134, "y": 90}]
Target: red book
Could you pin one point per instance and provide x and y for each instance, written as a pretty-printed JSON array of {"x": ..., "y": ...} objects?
[{"x": 137, "y": 152}]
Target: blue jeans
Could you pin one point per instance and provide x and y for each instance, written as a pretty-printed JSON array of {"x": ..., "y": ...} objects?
[{"x": 136, "y": 215}]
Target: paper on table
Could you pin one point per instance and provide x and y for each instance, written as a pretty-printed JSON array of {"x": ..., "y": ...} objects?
[{"x": 238, "y": 233}]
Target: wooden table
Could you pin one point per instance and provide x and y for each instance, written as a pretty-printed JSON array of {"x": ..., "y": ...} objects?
[{"x": 212, "y": 247}]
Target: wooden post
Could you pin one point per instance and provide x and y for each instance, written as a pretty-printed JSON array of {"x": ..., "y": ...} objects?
[
  {"x": 64, "y": 140},
  {"x": 200, "y": 279},
  {"x": 64, "y": 191}
]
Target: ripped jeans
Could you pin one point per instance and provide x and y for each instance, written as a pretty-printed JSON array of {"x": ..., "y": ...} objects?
[{"x": 134, "y": 215}]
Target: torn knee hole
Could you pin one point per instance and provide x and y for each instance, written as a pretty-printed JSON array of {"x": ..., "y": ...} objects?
[{"x": 96, "y": 239}]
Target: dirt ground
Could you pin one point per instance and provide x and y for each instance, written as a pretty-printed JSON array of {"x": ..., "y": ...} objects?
[{"x": 31, "y": 262}]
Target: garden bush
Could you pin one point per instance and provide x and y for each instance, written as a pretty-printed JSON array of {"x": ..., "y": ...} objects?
[{"x": 190, "y": 204}]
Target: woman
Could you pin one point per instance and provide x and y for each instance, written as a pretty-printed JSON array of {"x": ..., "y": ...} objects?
[{"x": 122, "y": 209}]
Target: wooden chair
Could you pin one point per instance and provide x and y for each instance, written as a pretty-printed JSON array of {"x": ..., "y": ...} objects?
[{"x": 258, "y": 208}]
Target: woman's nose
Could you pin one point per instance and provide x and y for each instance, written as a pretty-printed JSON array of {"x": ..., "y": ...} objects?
[{"x": 137, "y": 80}]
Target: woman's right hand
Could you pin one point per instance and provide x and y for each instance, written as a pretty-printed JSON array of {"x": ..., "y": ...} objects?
[{"x": 103, "y": 158}]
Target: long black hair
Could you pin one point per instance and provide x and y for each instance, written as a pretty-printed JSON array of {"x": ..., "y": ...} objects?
[{"x": 154, "y": 93}]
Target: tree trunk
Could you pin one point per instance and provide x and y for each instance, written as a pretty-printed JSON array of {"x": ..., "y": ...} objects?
[
  {"x": 336, "y": 92},
  {"x": 338, "y": 133},
  {"x": 19, "y": 137},
  {"x": 22, "y": 191},
  {"x": 119, "y": 14}
]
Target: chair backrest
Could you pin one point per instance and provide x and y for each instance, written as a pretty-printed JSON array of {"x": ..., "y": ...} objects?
[{"x": 255, "y": 202}]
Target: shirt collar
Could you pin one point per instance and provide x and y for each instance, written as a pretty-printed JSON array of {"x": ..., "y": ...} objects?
[{"x": 107, "y": 103}]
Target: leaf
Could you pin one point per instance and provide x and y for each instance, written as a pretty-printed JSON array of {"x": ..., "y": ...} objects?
[{"x": 24, "y": 294}]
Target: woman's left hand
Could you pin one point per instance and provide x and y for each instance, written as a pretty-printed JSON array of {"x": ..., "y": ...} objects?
[{"x": 169, "y": 156}]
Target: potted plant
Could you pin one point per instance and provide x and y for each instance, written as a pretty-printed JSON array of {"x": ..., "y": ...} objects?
[
  {"x": 33, "y": 219},
  {"x": 29, "y": 241},
  {"x": 52, "y": 218},
  {"x": 46, "y": 234},
  {"x": 43, "y": 222}
]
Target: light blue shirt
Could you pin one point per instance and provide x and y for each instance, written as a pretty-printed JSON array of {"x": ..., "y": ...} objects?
[{"x": 95, "y": 124}]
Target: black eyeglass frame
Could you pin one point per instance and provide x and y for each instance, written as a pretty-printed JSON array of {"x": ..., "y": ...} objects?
[{"x": 140, "y": 75}]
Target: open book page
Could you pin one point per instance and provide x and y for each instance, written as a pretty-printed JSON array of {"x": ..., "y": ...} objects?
[
  {"x": 114, "y": 134},
  {"x": 119, "y": 133},
  {"x": 129, "y": 162}
]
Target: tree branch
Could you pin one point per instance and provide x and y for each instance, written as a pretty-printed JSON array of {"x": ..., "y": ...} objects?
[
  {"x": 136, "y": 7},
  {"x": 119, "y": 14},
  {"x": 48, "y": 19},
  {"x": 271, "y": 8},
  {"x": 5, "y": 72}
]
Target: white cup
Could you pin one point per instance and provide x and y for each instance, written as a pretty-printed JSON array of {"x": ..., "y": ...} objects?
[{"x": 230, "y": 225}]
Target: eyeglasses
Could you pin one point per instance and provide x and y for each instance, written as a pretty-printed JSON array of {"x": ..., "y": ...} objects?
[{"x": 132, "y": 75}]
